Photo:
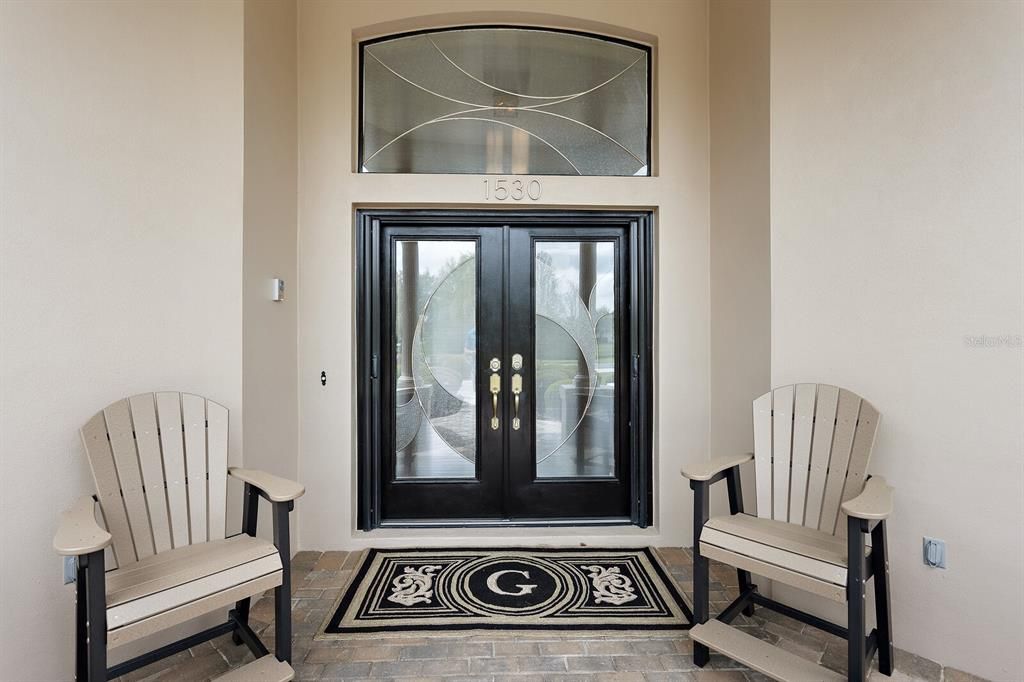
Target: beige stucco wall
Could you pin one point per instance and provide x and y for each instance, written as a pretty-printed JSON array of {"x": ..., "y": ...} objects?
[
  {"x": 120, "y": 263},
  {"x": 896, "y": 203},
  {"x": 329, "y": 191},
  {"x": 739, "y": 34},
  {"x": 270, "y": 243}
]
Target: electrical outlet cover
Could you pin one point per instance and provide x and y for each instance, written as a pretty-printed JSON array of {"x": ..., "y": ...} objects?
[{"x": 934, "y": 552}]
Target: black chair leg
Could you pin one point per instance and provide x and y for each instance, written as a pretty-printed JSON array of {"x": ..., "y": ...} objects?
[
  {"x": 732, "y": 481},
  {"x": 883, "y": 615},
  {"x": 250, "y": 515},
  {"x": 95, "y": 616},
  {"x": 855, "y": 593},
  {"x": 743, "y": 579},
  {"x": 241, "y": 614},
  {"x": 701, "y": 579},
  {"x": 81, "y": 626},
  {"x": 283, "y": 593}
]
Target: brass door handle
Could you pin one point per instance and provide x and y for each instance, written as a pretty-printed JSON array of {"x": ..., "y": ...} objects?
[
  {"x": 517, "y": 389},
  {"x": 495, "y": 390}
]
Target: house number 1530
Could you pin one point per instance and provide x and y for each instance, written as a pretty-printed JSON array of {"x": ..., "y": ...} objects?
[{"x": 516, "y": 189}]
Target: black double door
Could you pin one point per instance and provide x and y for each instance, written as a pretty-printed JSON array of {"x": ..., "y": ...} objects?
[{"x": 504, "y": 360}]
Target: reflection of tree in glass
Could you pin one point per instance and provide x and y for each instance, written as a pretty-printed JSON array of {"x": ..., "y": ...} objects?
[
  {"x": 545, "y": 281},
  {"x": 553, "y": 293},
  {"x": 450, "y": 319},
  {"x": 454, "y": 314}
]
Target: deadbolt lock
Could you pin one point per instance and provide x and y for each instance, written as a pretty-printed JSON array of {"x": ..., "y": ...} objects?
[
  {"x": 517, "y": 362},
  {"x": 495, "y": 364}
]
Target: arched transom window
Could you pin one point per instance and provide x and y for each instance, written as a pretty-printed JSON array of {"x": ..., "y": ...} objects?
[{"x": 504, "y": 100}]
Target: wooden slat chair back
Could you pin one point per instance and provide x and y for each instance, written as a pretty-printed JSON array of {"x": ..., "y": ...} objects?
[
  {"x": 159, "y": 461},
  {"x": 812, "y": 445},
  {"x": 816, "y": 508},
  {"x": 160, "y": 465}
]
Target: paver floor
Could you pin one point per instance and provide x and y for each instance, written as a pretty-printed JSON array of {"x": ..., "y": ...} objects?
[{"x": 319, "y": 577}]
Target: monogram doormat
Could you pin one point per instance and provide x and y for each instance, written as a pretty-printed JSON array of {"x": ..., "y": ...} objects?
[{"x": 593, "y": 590}]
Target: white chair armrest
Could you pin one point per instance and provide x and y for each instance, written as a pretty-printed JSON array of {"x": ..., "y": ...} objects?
[
  {"x": 873, "y": 503},
  {"x": 703, "y": 471},
  {"x": 78, "y": 532},
  {"x": 277, "y": 489}
]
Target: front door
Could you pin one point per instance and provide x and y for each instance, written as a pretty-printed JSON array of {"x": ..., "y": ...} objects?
[{"x": 504, "y": 368}]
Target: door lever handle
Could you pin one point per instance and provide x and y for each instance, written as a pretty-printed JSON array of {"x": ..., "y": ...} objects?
[
  {"x": 517, "y": 388},
  {"x": 495, "y": 390}
]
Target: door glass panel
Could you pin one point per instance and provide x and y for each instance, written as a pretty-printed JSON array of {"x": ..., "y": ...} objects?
[
  {"x": 575, "y": 359},
  {"x": 435, "y": 359}
]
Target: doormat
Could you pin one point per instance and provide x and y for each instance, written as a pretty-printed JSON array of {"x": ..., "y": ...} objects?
[{"x": 582, "y": 590}]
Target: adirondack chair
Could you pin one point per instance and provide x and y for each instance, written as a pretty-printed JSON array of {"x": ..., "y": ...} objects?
[
  {"x": 815, "y": 506},
  {"x": 159, "y": 462}
]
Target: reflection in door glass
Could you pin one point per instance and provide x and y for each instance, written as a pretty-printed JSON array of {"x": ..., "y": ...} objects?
[
  {"x": 575, "y": 359},
  {"x": 435, "y": 359}
]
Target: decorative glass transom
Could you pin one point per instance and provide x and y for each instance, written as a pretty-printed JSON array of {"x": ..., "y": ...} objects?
[{"x": 504, "y": 101}]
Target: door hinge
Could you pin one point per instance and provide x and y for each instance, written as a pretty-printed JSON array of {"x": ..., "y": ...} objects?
[
  {"x": 636, "y": 366},
  {"x": 374, "y": 366}
]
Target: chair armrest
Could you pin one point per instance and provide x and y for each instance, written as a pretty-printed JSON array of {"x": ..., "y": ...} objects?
[
  {"x": 873, "y": 503},
  {"x": 703, "y": 471},
  {"x": 276, "y": 488},
  {"x": 78, "y": 532}
]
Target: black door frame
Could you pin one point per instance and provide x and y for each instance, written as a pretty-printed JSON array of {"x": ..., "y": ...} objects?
[{"x": 371, "y": 302}]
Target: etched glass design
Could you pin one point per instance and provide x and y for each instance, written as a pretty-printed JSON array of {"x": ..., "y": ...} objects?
[
  {"x": 435, "y": 359},
  {"x": 575, "y": 359},
  {"x": 504, "y": 101}
]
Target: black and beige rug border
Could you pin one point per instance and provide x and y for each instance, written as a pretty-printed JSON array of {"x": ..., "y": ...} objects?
[{"x": 586, "y": 591}]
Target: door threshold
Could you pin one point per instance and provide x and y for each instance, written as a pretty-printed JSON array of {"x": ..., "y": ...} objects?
[{"x": 507, "y": 523}]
